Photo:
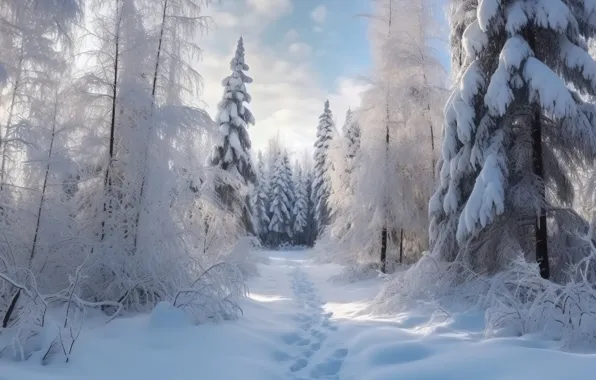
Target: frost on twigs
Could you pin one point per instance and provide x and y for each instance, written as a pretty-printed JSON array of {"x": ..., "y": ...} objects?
[
  {"x": 213, "y": 295},
  {"x": 42, "y": 324}
]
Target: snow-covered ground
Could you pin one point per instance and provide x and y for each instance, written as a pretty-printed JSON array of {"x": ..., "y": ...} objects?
[{"x": 297, "y": 325}]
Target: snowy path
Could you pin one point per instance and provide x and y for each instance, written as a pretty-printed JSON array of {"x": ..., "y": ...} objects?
[{"x": 299, "y": 326}]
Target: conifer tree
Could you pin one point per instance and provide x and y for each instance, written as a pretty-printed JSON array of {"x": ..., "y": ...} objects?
[
  {"x": 281, "y": 206},
  {"x": 515, "y": 125},
  {"x": 300, "y": 211},
  {"x": 320, "y": 185},
  {"x": 259, "y": 200},
  {"x": 232, "y": 152}
]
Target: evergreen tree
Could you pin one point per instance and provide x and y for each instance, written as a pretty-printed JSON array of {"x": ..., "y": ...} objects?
[
  {"x": 281, "y": 206},
  {"x": 514, "y": 126},
  {"x": 311, "y": 225},
  {"x": 300, "y": 211},
  {"x": 352, "y": 136},
  {"x": 259, "y": 200},
  {"x": 232, "y": 152},
  {"x": 320, "y": 185}
]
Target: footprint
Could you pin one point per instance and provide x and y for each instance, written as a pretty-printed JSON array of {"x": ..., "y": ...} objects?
[
  {"x": 298, "y": 365},
  {"x": 308, "y": 353},
  {"x": 290, "y": 338},
  {"x": 307, "y": 325},
  {"x": 330, "y": 367},
  {"x": 304, "y": 342},
  {"x": 280, "y": 356},
  {"x": 340, "y": 353},
  {"x": 315, "y": 346},
  {"x": 317, "y": 334}
]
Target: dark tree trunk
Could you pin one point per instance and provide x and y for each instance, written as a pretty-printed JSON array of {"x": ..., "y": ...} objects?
[
  {"x": 11, "y": 308},
  {"x": 107, "y": 204},
  {"x": 384, "y": 250},
  {"x": 537, "y": 156},
  {"x": 541, "y": 227}
]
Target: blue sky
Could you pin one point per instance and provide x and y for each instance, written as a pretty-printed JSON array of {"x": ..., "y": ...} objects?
[{"x": 300, "y": 52}]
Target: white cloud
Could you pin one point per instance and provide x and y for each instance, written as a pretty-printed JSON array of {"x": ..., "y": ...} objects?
[
  {"x": 319, "y": 14},
  {"x": 300, "y": 49},
  {"x": 318, "y": 29},
  {"x": 286, "y": 96},
  {"x": 271, "y": 7},
  {"x": 291, "y": 35}
]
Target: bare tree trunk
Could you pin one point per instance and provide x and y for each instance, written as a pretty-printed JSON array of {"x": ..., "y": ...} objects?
[
  {"x": 45, "y": 182},
  {"x": 107, "y": 204},
  {"x": 150, "y": 131},
  {"x": 4, "y": 142}
]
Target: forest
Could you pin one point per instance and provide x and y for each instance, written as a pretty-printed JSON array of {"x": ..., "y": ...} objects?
[{"x": 468, "y": 182}]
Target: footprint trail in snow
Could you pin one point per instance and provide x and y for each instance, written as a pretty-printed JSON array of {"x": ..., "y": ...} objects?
[{"x": 313, "y": 326}]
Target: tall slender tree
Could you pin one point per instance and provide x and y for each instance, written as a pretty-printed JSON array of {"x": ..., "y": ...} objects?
[
  {"x": 320, "y": 185},
  {"x": 300, "y": 210},
  {"x": 280, "y": 225},
  {"x": 231, "y": 152},
  {"x": 259, "y": 200}
]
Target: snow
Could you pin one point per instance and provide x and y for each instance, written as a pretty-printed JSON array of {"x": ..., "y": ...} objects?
[{"x": 299, "y": 325}]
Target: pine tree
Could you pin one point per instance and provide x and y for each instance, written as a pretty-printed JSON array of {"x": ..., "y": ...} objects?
[
  {"x": 311, "y": 224},
  {"x": 281, "y": 206},
  {"x": 320, "y": 185},
  {"x": 352, "y": 137},
  {"x": 259, "y": 200},
  {"x": 515, "y": 125},
  {"x": 232, "y": 152},
  {"x": 300, "y": 211}
]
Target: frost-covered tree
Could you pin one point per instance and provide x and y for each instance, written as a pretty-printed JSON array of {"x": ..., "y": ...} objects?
[
  {"x": 300, "y": 210},
  {"x": 380, "y": 197},
  {"x": 320, "y": 185},
  {"x": 516, "y": 127},
  {"x": 352, "y": 136},
  {"x": 280, "y": 224},
  {"x": 231, "y": 153},
  {"x": 259, "y": 200}
]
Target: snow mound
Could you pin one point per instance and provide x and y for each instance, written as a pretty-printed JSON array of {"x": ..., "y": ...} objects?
[{"x": 164, "y": 315}]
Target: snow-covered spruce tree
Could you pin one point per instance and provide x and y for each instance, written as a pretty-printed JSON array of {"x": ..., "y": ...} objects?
[
  {"x": 280, "y": 225},
  {"x": 231, "y": 153},
  {"x": 343, "y": 154},
  {"x": 320, "y": 185},
  {"x": 516, "y": 127},
  {"x": 300, "y": 210},
  {"x": 259, "y": 200}
]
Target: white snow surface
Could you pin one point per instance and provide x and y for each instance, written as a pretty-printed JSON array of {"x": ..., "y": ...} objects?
[{"x": 298, "y": 325}]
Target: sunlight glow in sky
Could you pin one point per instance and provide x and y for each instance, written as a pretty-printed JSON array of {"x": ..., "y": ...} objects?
[{"x": 300, "y": 52}]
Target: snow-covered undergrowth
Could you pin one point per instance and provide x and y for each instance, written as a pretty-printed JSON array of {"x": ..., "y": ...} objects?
[
  {"x": 514, "y": 302},
  {"x": 299, "y": 325},
  {"x": 45, "y": 327}
]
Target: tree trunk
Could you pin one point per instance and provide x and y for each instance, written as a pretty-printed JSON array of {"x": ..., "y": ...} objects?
[
  {"x": 537, "y": 156},
  {"x": 384, "y": 250},
  {"x": 107, "y": 204},
  {"x": 149, "y": 133},
  {"x": 401, "y": 245},
  {"x": 45, "y": 184},
  {"x": 541, "y": 227},
  {"x": 3, "y": 141}
]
